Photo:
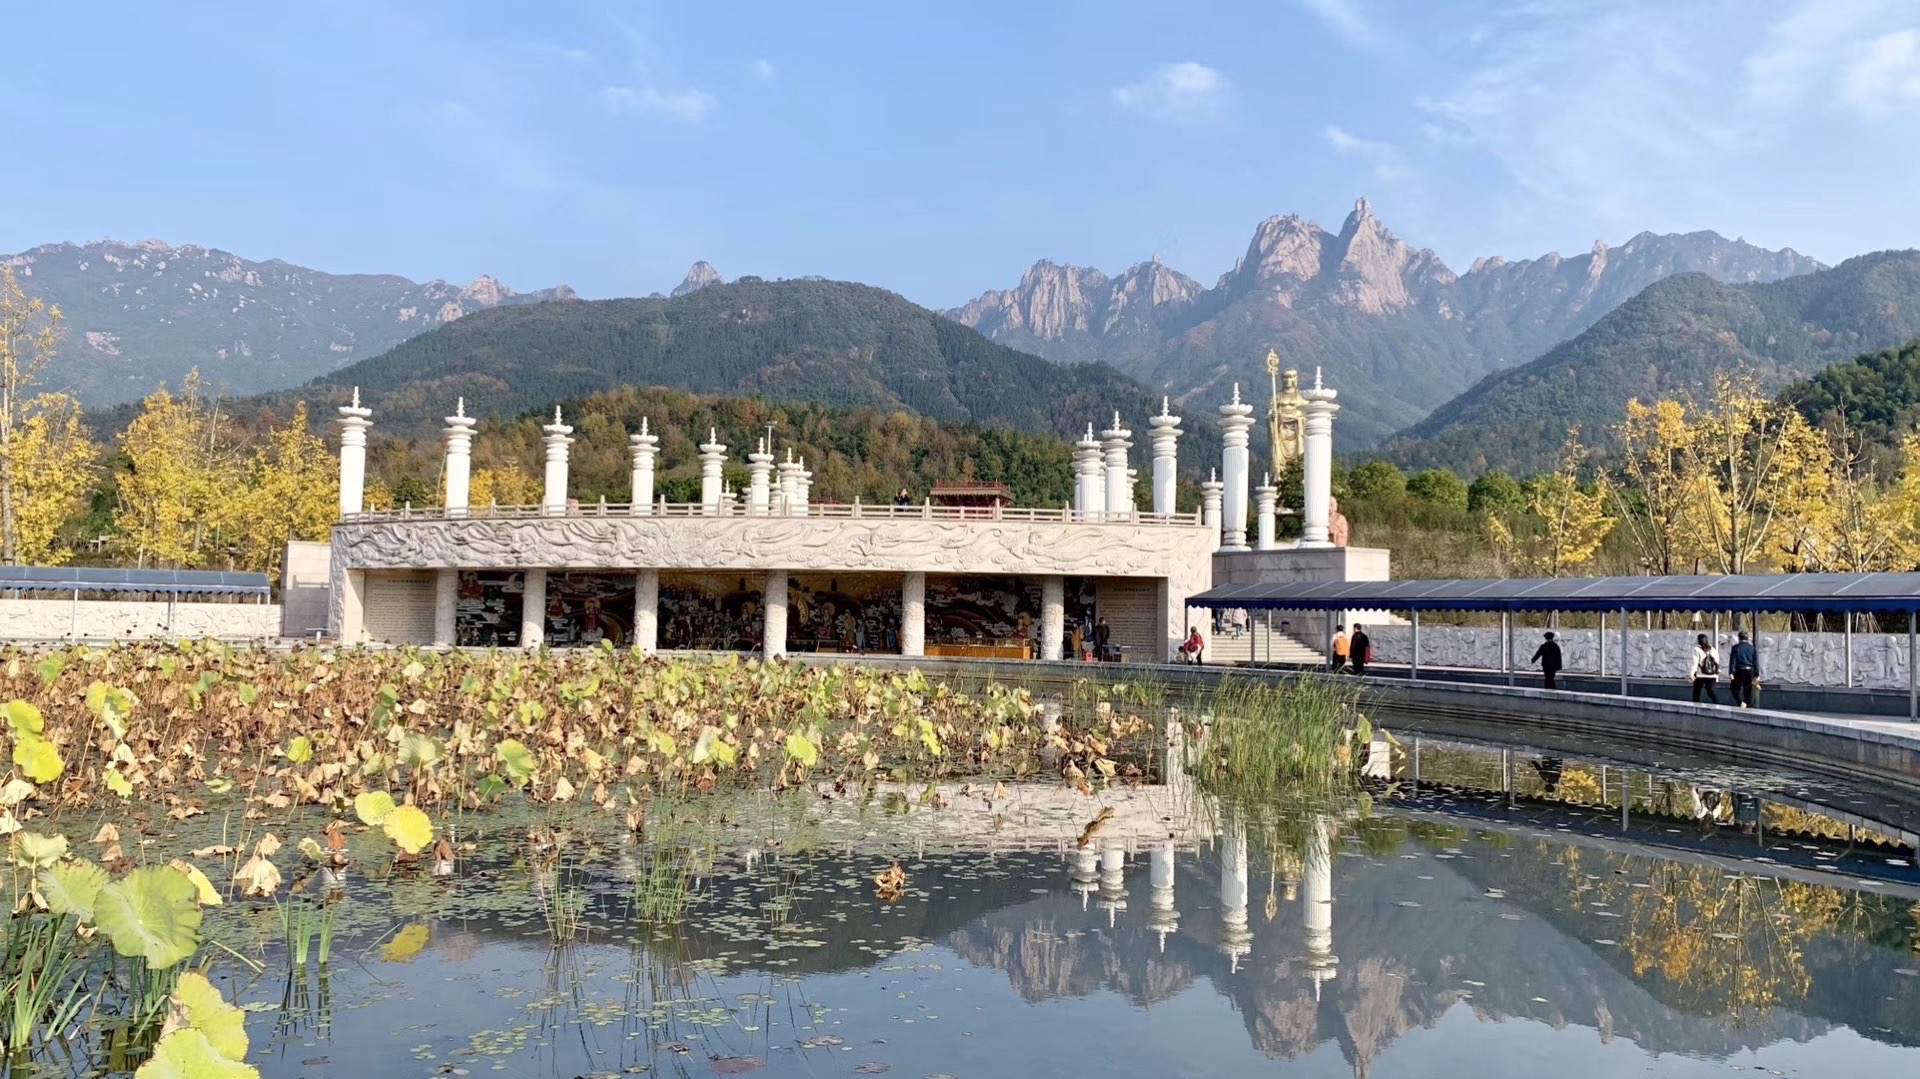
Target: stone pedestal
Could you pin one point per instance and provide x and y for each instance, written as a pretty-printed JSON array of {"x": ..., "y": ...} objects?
[
  {"x": 446, "y": 595},
  {"x": 354, "y": 422},
  {"x": 1236, "y": 419},
  {"x": 713, "y": 461},
  {"x": 646, "y": 611},
  {"x": 1266, "y": 501},
  {"x": 913, "y": 614},
  {"x": 1316, "y": 511},
  {"x": 1053, "y": 616},
  {"x": 553, "y": 498},
  {"x": 459, "y": 435},
  {"x": 533, "y": 609},
  {"x": 644, "y": 447},
  {"x": 774, "y": 601},
  {"x": 1166, "y": 443},
  {"x": 1114, "y": 444}
]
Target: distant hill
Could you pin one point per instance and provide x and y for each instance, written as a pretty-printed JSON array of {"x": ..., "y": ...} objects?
[
  {"x": 841, "y": 345},
  {"x": 1669, "y": 341},
  {"x": 144, "y": 313},
  {"x": 1395, "y": 329},
  {"x": 1877, "y": 395}
]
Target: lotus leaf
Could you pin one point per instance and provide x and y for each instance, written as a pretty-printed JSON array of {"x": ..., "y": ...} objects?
[
  {"x": 515, "y": 761},
  {"x": 71, "y": 887},
  {"x": 258, "y": 877},
  {"x": 300, "y": 750},
  {"x": 199, "y": 1003},
  {"x": 15, "y": 791},
  {"x": 38, "y": 759},
  {"x": 406, "y": 944},
  {"x": 31, "y": 850},
  {"x": 712, "y": 747},
  {"x": 409, "y": 828},
  {"x": 492, "y": 786},
  {"x": 23, "y": 717},
  {"x": 150, "y": 913},
  {"x": 187, "y": 1054},
  {"x": 420, "y": 751},
  {"x": 117, "y": 783},
  {"x": 372, "y": 807},
  {"x": 801, "y": 748},
  {"x": 204, "y": 892}
]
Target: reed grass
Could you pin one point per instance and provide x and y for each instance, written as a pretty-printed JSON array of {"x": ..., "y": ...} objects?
[{"x": 1261, "y": 737}]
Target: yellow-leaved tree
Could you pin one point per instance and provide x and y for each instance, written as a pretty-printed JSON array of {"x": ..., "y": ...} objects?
[
  {"x": 178, "y": 475},
  {"x": 1758, "y": 479},
  {"x": 291, "y": 491},
  {"x": 505, "y": 485},
  {"x": 36, "y": 432},
  {"x": 1565, "y": 521},
  {"x": 1655, "y": 501}
]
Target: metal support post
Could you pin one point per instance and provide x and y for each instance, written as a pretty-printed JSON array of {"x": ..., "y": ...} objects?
[
  {"x": 1623, "y": 651},
  {"x": 1413, "y": 669}
]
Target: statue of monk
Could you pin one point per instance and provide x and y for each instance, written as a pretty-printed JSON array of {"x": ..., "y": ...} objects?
[{"x": 1336, "y": 523}]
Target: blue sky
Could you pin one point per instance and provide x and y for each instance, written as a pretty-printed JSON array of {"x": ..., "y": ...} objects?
[{"x": 938, "y": 149}]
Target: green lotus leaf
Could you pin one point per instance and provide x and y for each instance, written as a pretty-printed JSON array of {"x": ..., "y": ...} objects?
[
  {"x": 712, "y": 747},
  {"x": 515, "y": 761},
  {"x": 152, "y": 912},
  {"x": 187, "y": 1054},
  {"x": 300, "y": 750},
  {"x": 38, "y": 759},
  {"x": 410, "y": 829},
  {"x": 71, "y": 887},
  {"x": 372, "y": 807},
  {"x": 31, "y": 850},
  {"x": 420, "y": 751},
  {"x": 802, "y": 749},
  {"x": 224, "y": 1025},
  {"x": 23, "y": 717}
]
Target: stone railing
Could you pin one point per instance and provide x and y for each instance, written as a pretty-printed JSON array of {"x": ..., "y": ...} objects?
[
  {"x": 817, "y": 510},
  {"x": 1879, "y": 660}
]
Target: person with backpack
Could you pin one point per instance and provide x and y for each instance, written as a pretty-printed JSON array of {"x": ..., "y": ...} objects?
[
  {"x": 1705, "y": 671},
  {"x": 1743, "y": 665}
]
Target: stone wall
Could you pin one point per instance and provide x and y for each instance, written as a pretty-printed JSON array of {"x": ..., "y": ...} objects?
[
  {"x": 58, "y": 619},
  {"x": 1815, "y": 659}
]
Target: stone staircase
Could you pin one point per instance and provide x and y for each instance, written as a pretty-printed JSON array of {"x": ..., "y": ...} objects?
[{"x": 1258, "y": 646}]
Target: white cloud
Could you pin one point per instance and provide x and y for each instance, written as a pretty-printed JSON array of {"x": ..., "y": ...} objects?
[
  {"x": 687, "y": 106},
  {"x": 1887, "y": 77},
  {"x": 1175, "y": 93},
  {"x": 1345, "y": 18},
  {"x": 1383, "y": 158},
  {"x": 764, "y": 70}
]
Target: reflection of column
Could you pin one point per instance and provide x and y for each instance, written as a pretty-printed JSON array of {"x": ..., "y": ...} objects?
[
  {"x": 1235, "y": 939},
  {"x": 1266, "y": 499},
  {"x": 644, "y": 446},
  {"x": 713, "y": 460},
  {"x": 553, "y": 497},
  {"x": 760, "y": 481},
  {"x": 533, "y": 608},
  {"x": 1114, "y": 443},
  {"x": 1084, "y": 876},
  {"x": 913, "y": 614},
  {"x": 774, "y": 601},
  {"x": 354, "y": 422},
  {"x": 1210, "y": 504},
  {"x": 1166, "y": 442},
  {"x": 1317, "y": 467},
  {"x": 1113, "y": 880},
  {"x": 1053, "y": 614},
  {"x": 1093, "y": 486},
  {"x": 1236, "y": 418},
  {"x": 1162, "y": 918},
  {"x": 446, "y": 592},
  {"x": 1317, "y": 905},
  {"x": 646, "y": 611},
  {"x": 459, "y": 432}
]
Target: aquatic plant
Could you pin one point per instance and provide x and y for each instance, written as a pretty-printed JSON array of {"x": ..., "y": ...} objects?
[{"x": 1256, "y": 737}]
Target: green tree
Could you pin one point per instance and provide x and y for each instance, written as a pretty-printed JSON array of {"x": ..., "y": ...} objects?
[
  {"x": 1377, "y": 480},
  {"x": 1440, "y": 487},
  {"x": 1495, "y": 492}
]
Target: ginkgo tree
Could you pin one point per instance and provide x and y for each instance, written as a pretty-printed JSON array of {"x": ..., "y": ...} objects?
[
  {"x": 1565, "y": 520},
  {"x": 46, "y": 457}
]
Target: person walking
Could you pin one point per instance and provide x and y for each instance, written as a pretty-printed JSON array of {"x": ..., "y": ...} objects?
[
  {"x": 1548, "y": 657},
  {"x": 1705, "y": 671},
  {"x": 1360, "y": 649},
  {"x": 1102, "y": 634},
  {"x": 1338, "y": 661},
  {"x": 1743, "y": 665}
]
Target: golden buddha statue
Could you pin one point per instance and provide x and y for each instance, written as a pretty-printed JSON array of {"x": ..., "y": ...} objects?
[{"x": 1286, "y": 418}]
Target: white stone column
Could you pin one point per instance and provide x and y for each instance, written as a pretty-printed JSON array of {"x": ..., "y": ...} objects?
[
  {"x": 1266, "y": 503},
  {"x": 759, "y": 481},
  {"x": 644, "y": 447},
  {"x": 1053, "y": 615},
  {"x": 354, "y": 422},
  {"x": 446, "y": 595},
  {"x": 533, "y": 609},
  {"x": 459, "y": 432},
  {"x": 789, "y": 472},
  {"x": 1114, "y": 443},
  {"x": 353, "y": 607},
  {"x": 1210, "y": 504},
  {"x": 1316, "y": 902},
  {"x": 1166, "y": 450},
  {"x": 713, "y": 461},
  {"x": 1236, "y": 418},
  {"x": 774, "y": 602},
  {"x": 1317, "y": 467},
  {"x": 913, "y": 614},
  {"x": 553, "y": 499},
  {"x": 803, "y": 487},
  {"x": 1090, "y": 488},
  {"x": 646, "y": 611}
]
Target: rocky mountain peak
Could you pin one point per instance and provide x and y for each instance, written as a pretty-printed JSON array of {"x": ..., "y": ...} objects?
[
  {"x": 1289, "y": 248},
  {"x": 699, "y": 276},
  {"x": 486, "y": 291}
]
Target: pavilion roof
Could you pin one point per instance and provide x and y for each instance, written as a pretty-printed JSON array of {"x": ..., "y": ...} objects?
[{"x": 175, "y": 582}]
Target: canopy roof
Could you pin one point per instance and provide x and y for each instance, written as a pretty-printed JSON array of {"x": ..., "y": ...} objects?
[
  {"x": 1837, "y": 592},
  {"x": 175, "y": 582}
]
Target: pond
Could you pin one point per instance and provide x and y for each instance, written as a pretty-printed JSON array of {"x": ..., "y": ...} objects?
[{"x": 1020, "y": 883}]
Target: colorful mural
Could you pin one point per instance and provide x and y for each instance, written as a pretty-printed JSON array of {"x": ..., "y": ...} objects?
[{"x": 486, "y": 610}]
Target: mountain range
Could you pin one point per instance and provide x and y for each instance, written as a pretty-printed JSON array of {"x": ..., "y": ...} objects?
[
  {"x": 1394, "y": 329},
  {"x": 138, "y": 314},
  {"x": 1669, "y": 341}
]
